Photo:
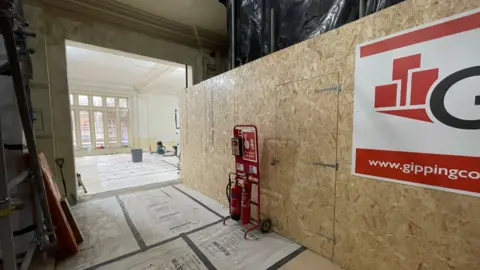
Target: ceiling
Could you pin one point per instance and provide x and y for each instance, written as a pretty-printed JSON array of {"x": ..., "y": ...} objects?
[
  {"x": 92, "y": 68},
  {"x": 207, "y": 14}
]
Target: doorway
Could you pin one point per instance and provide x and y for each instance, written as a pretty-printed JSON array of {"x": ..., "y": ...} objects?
[{"x": 119, "y": 102}]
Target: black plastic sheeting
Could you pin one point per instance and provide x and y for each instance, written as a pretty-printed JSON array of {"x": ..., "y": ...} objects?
[
  {"x": 294, "y": 22},
  {"x": 249, "y": 30}
]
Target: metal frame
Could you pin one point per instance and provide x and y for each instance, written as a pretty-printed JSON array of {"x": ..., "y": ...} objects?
[
  {"x": 272, "y": 30},
  {"x": 255, "y": 222},
  {"x": 12, "y": 24},
  {"x": 233, "y": 33},
  {"x": 6, "y": 231},
  {"x": 361, "y": 10}
]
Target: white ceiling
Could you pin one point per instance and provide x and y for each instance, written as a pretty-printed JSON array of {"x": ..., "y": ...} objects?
[
  {"x": 207, "y": 14},
  {"x": 92, "y": 68}
]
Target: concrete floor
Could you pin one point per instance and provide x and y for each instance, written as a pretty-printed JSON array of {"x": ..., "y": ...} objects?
[
  {"x": 114, "y": 172},
  {"x": 175, "y": 227}
]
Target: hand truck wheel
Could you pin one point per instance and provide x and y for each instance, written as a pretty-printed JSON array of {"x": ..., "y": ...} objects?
[{"x": 266, "y": 226}]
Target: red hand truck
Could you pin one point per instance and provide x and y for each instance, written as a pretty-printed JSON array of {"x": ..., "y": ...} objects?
[{"x": 247, "y": 176}]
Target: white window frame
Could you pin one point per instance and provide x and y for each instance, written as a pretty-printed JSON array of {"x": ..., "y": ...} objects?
[{"x": 76, "y": 108}]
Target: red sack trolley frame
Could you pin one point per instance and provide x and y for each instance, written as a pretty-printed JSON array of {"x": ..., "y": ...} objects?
[{"x": 247, "y": 168}]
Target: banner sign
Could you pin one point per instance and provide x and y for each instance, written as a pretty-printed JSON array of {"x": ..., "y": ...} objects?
[{"x": 417, "y": 106}]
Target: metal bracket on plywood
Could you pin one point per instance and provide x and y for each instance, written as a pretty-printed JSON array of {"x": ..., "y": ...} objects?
[
  {"x": 337, "y": 87},
  {"x": 335, "y": 166},
  {"x": 329, "y": 238}
]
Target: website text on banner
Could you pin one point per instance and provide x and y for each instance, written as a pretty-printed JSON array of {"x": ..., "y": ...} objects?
[
  {"x": 460, "y": 173},
  {"x": 417, "y": 106}
]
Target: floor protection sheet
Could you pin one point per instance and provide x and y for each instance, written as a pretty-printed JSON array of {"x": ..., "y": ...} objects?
[
  {"x": 225, "y": 247},
  {"x": 163, "y": 213},
  {"x": 173, "y": 255}
]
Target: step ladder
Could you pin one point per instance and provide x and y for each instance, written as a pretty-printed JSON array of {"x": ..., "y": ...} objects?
[{"x": 12, "y": 26}]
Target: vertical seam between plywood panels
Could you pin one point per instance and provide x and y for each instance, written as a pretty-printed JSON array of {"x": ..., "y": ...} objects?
[
  {"x": 186, "y": 116},
  {"x": 336, "y": 171},
  {"x": 212, "y": 123},
  {"x": 205, "y": 117}
]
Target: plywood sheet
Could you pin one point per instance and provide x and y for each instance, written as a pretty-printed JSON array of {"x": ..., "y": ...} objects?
[
  {"x": 172, "y": 255},
  {"x": 377, "y": 225},
  {"x": 160, "y": 214},
  {"x": 67, "y": 210},
  {"x": 225, "y": 247},
  {"x": 394, "y": 218},
  {"x": 305, "y": 134},
  {"x": 194, "y": 151},
  {"x": 182, "y": 101},
  {"x": 219, "y": 157},
  {"x": 214, "y": 132},
  {"x": 211, "y": 148},
  {"x": 63, "y": 230},
  {"x": 309, "y": 260},
  {"x": 106, "y": 234},
  {"x": 254, "y": 104}
]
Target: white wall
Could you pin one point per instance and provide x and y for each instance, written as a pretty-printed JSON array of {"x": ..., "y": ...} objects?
[
  {"x": 152, "y": 116},
  {"x": 156, "y": 120}
]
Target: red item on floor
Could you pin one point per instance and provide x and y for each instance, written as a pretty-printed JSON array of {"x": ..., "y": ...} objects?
[
  {"x": 235, "y": 200},
  {"x": 246, "y": 199},
  {"x": 63, "y": 230}
]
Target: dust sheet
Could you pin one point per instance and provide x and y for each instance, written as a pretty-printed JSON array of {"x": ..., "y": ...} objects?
[
  {"x": 169, "y": 256},
  {"x": 105, "y": 231},
  {"x": 225, "y": 247},
  {"x": 209, "y": 202},
  {"x": 160, "y": 214}
]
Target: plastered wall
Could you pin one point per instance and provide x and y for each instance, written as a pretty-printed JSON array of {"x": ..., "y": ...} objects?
[
  {"x": 161, "y": 121},
  {"x": 359, "y": 223},
  {"x": 50, "y": 83}
]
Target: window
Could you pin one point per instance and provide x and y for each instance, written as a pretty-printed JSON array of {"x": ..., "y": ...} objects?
[
  {"x": 73, "y": 130},
  {"x": 122, "y": 102},
  {"x": 112, "y": 128},
  {"x": 177, "y": 118},
  {"x": 82, "y": 100},
  {"x": 99, "y": 133},
  {"x": 110, "y": 102},
  {"x": 124, "y": 127},
  {"x": 97, "y": 101},
  {"x": 99, "y": 121},
  {"x": 85, "y": 129}
]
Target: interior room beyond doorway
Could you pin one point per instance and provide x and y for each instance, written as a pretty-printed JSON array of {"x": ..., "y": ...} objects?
[{"x": 119, "y": 102}]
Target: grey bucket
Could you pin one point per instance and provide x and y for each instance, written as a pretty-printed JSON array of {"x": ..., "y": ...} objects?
[{"x": 137, "y": 155}]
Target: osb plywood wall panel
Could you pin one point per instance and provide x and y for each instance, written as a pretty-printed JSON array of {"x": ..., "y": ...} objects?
[
  {"x": 357, "y": 222},
  {"x": 305, "y": 134}
]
